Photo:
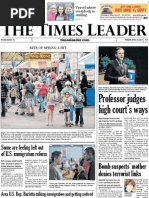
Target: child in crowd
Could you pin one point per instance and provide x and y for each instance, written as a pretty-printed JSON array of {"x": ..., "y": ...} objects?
[
  {"x": 50, "y": 105},
  {"x": 61, "y": 16},
  {"x": 13, "y": 95},
  {"x": 67, "y": 100},
  {"x": 69, "y": 11},
  {"x": 79, "y": 99}
]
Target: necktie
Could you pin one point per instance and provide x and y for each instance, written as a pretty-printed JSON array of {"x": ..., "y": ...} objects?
[{"x": 122, "y": 68}]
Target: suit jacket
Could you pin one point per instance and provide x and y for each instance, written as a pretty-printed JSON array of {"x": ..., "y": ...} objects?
[
  {"x": 113, "y": 72},
  {"x": 84, "y": 83},
  {"x": 91, "y": 172}
]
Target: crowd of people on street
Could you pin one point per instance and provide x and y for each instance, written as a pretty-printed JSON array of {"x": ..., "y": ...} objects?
[
  {"x": 45, "y": 89},
  {"x": 84, "y": 169}
]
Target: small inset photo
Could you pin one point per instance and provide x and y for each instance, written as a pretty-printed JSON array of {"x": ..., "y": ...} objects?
[
  {"x": 60, "y": 11},
  {"x": 129, "y": 185},
  {"x": 123, "y": 65},
  {"x": 72, "y": 162}
]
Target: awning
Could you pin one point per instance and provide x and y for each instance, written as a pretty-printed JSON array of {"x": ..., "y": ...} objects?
[
  {"x": 87, "y": 61},
  {"x": 6, "y": 67},
  {"x": 24, "y": 65},
  {"x": 34, "y": 65}
]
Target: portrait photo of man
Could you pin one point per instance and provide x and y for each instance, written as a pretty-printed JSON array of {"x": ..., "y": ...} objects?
[
  {"x": 117, "y": 71},
  {"x": 123, "y": 65}
]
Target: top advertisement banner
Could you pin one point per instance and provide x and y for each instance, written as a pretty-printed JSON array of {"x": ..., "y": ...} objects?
[{"x": 123, "y": 11}]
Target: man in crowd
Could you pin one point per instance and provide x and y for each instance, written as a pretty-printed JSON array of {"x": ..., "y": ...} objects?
[
  {"x": 84, "y": 85},
  {"x": 60, "y": 84},
  {"x": 29, "y": 89},
  {"x": 90, "y": 156},
  {"x": 29, "y": 75},
  {"x": 117, "y": 71},
  {"x": 54, "y": 171},
  {"x": 4, "y": 91}
]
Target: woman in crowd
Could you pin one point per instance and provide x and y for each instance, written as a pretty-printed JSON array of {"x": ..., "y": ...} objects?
[
  {"x": 42, "y": 94},
  {"x": 50, "y": 105}
]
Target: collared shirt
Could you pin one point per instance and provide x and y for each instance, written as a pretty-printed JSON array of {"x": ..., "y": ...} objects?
[
  {"x": 55, "y": 173},
  {"x": 93, "y": 159},
  {"x": 120, "y": 63},
  {"x": 4, "y": 91}
]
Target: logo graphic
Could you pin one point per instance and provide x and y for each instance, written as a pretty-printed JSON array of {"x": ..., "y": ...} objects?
[
  {"x": 106, "y": 9},
  {"x": 22, "y": 13}
]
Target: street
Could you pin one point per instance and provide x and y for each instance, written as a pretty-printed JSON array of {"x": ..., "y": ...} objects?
[{"x": 39, "y": 121}]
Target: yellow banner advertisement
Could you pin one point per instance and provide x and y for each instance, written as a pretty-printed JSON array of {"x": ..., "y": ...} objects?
[{"x": 123, "y": 8}]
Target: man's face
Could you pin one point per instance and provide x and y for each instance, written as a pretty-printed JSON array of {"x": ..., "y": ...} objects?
[
  {"x": 120, "y": 54},
  {"x": 88, "y": 156},
  {"x": 61, "y": 77},
  {"x": 58, "y": 160}
]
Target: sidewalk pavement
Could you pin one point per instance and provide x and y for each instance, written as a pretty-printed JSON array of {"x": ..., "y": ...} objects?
[{"x": 39, "y": 121}]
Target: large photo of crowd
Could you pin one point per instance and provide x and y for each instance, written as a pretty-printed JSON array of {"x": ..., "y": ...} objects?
[
  {"x": 47, "y": 90},
  {"x": 72, "y": 162}
]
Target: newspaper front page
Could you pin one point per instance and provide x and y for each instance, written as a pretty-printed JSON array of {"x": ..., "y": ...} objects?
[{"x": 74, "y": 99}]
